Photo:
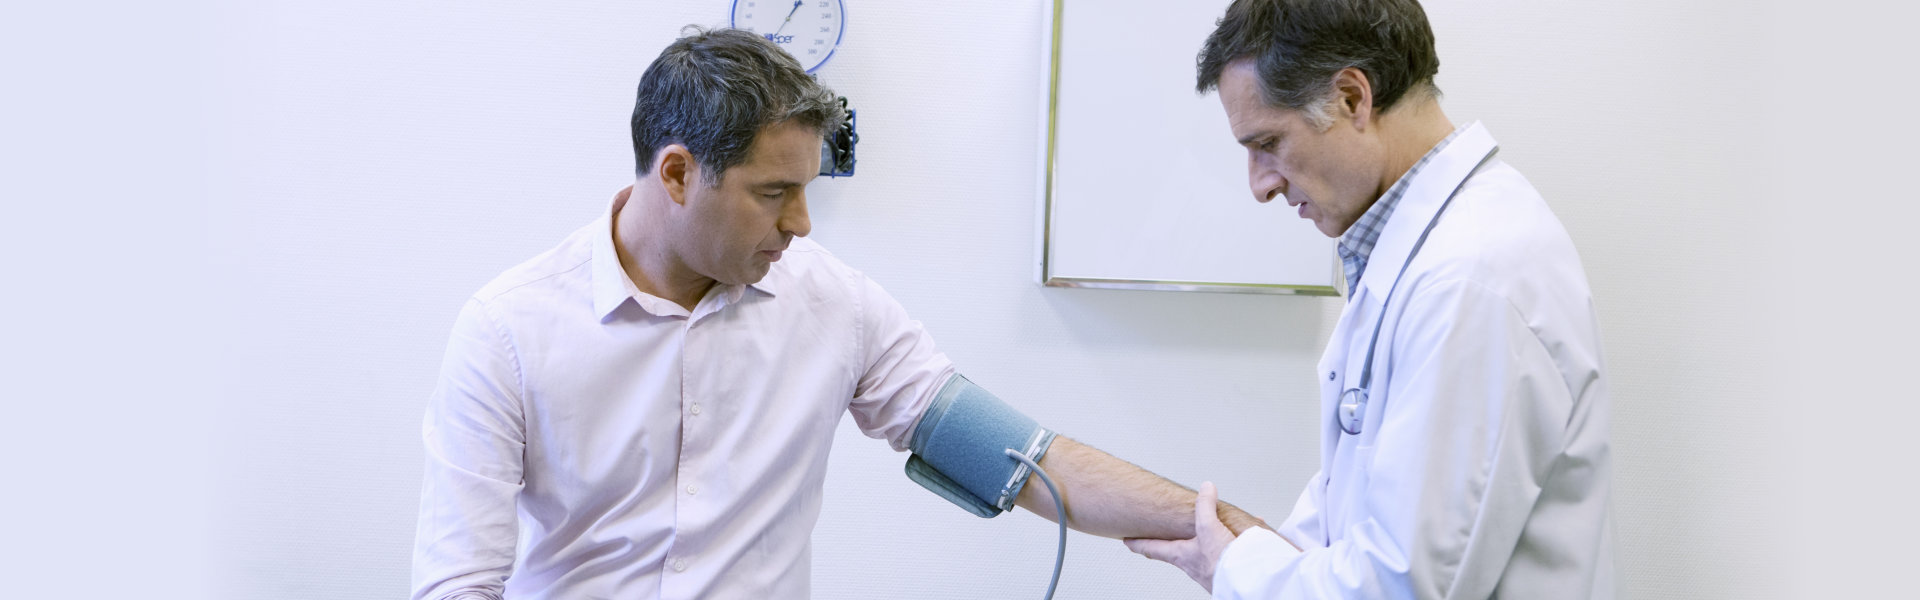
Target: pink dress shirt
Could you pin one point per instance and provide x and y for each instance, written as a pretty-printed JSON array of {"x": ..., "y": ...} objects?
[{"x": 587, "y": 440}]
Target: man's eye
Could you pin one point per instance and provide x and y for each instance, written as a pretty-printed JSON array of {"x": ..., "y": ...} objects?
[{"x": 1267, "y": 146}]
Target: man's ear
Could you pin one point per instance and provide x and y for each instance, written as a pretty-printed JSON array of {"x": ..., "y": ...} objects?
[
  {"x": 1353, "y": 98},
  {"x": 677, "y": 172}
]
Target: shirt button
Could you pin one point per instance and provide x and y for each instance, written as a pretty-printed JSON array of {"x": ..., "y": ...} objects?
[
  {"x": 1329, "y": 378},
  {"x": 679, "y": 564},
  {"x": 695, "y": 410},
  {"x": 692, "y": 489}
]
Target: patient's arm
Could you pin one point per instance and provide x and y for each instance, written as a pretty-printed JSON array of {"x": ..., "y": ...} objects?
[{"x": 1109, "y": 497}]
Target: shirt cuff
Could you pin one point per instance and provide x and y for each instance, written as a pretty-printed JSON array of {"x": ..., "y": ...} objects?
[{"x": 1249, "y": 561}]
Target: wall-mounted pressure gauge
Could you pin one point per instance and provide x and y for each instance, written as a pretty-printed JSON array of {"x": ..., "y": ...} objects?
[{"x": 808, "y": 29}]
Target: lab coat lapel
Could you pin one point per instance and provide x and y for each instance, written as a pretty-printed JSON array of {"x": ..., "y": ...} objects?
[
  {"x": 1347, "y": 352},
  {"x": 1424, "y": 196}
]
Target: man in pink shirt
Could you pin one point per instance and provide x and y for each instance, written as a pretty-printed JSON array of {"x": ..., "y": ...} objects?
[{"x": 652, "y": 401}]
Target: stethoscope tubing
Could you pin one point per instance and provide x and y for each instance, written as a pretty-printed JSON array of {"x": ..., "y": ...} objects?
[{"x": 1356, "y": 411}]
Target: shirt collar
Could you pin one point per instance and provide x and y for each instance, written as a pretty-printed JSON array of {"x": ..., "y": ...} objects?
[
  {"x": 612, "y": 287},
  {"x": 1356, "y": 245}
]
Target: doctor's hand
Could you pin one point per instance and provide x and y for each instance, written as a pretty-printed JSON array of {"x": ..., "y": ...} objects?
[
  {"x": 1239, "y": 521},
  {"x": 1198, "y": 555}
]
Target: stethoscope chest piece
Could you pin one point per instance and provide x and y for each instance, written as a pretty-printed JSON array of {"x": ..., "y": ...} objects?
[{"x": 1353, "y": 410}]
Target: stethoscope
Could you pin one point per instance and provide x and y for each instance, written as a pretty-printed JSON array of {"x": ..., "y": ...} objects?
[{"x": 1353, "y": 402}]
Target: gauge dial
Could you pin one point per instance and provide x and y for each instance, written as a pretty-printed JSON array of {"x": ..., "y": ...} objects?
[{"x": 807, "y": 29}]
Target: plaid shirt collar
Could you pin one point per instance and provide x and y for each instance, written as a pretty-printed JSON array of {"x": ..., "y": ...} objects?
[{"x": 1357, "y": 243}]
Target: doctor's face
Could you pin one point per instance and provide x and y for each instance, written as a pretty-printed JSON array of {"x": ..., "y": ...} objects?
[{"x": 1321, "y": 173}]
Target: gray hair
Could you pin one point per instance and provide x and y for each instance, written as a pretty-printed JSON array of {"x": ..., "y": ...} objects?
[
  {"x": 1298, "y": 45},
  {"x": 712, "y": 91}
]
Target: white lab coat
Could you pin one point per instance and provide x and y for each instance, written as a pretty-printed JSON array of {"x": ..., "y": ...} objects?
[{"x": 1482, "y": 469}]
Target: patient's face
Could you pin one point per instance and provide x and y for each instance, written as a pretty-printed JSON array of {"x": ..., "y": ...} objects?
[{"x": 740, "y": 226}]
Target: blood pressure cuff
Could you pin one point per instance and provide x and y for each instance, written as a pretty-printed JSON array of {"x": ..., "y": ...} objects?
[{"x": 959, "y": 448}]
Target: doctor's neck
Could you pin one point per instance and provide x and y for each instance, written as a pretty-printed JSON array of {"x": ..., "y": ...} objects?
[{"x": 1407, "y": 131}]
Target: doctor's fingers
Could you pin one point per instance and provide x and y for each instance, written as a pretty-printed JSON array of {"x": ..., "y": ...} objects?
[
  {"x": 1166, "y": 551},
  {"x": 1206, "y": 507},
  {"x": 1186, "y": 555},
  {"x": 1238, "y": 521}
]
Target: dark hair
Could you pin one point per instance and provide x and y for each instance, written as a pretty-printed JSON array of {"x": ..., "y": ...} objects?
[
  {"x": 1298, "y": 45},
  {"x": 713, "y": 90}
]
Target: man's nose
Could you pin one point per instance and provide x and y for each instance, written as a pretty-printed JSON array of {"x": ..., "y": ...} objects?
[
  {"x": 1265, "y": 189},
  {"x": 1265, "y": 181},
  {"x": 793, "y": 217}
]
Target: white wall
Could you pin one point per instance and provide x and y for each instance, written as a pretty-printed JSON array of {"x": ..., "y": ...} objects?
[
  {"x": 268, "y": 280},
  {"x": 103, "y": 459}
]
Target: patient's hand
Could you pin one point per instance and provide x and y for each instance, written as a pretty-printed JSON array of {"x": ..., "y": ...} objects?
[{"x": 1198, "y": 555}]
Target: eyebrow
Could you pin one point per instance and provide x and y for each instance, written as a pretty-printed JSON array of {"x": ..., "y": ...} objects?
[
  {"x": 1257, "y": 135},
  {"x": 781, "y": 184}
]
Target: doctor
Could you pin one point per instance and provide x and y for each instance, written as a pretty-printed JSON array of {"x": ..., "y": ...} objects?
[{"x": 1463, "y": 402}]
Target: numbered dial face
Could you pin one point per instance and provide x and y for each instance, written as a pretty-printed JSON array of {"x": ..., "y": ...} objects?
[{"x": 807, "y": 29}]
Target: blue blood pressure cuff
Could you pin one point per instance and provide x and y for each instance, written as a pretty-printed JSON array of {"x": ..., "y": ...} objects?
[{"x": 959, "y": 448}]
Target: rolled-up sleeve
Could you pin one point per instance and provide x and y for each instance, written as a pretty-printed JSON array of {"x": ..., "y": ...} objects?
[
  {"x": 900, "y": 369},
  {"x": 475, "y": 446},
  {"x": 1475, "y": 417}
]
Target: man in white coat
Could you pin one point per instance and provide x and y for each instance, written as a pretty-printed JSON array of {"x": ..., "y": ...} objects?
[{"x": 1464, "y": 404}]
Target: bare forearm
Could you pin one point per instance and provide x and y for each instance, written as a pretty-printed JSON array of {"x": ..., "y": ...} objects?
[{"x": 1109, "y": 497}]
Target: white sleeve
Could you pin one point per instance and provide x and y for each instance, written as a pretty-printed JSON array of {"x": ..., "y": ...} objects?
[
  {"x": 1474, "y": 417},
  {"x": 475, "y": 446},
  {"x": 1307, "y": 525},
  {"x": 1248, "y": 565},
  {"x": 900, "y": 369}
]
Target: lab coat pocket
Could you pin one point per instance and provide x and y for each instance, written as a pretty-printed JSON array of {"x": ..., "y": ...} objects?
[
  {"x": 1348, "y": 483},
  {"x": 1363, "y": 462}
]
